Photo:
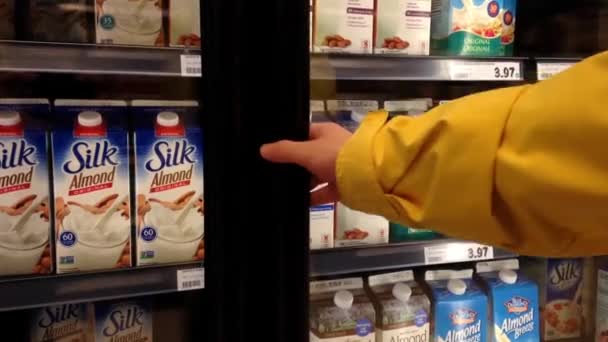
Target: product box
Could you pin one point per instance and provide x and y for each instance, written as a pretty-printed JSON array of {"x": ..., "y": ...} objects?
[
  {"x": 130, "y": 320},
  {"x": 184, "y": 23},
  {"x": 402, "y": 308},
  {"x": 7, "y": 19},
  {"x": 358, "y": 228},
  {"x": 473, "y": 27},
  {"x": 60, "y": 21},
  {"x": 62, "y": 323},
  {"x": 317, "y": 111},
  {"x": 168, "y": 181},
  {"x": 344, "y": 26},
  {"x": 403, "y": 27},
  {"x": 91, "y": 177},
  {"x": 561, "y": 288},
  {"x": 400, "y": 233},
  {"x": 350, "y": 113},
  {"x": 129, "y": 22},
  {"x": 322, "y": 226},
  {"x": 513, "y": 301},
  {"x": 25, "y": 227},
  {"x": 459, "y": 306},
  {"x": 340, "y": 311},
  {"x": 601, "y": 316}
]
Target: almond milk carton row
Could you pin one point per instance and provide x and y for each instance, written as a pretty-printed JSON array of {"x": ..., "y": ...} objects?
[
  {"x": 112, "y": 321},
  {"x": 128, "y": 22},
  {"x": 103, "y": 206}
]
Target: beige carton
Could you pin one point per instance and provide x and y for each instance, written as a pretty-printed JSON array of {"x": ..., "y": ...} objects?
[
  {"x": 403, "y": 27},
  {"x": 345, "y": 26}
]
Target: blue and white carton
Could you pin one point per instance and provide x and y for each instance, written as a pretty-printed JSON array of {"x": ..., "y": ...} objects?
[
  {"x": 322, "y": 226},
  {"x": 130, "y": 320},
  {"x": 92, "y": 192},
  {"x": 66, "y": 322},
  {"x": 561, "y": 296},
  {"x": 168, "y": 181},
  {"x": 25, "y": 226},
  {"x": 460, "y": 308},
  {"x": 513, "y": 301}
]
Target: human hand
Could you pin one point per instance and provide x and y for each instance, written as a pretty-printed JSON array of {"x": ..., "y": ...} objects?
[{"x": 318, "y": 155}]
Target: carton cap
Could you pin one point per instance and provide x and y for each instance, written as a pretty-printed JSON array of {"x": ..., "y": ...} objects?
[
  {"x": 9, "y": 118},
  {"x": 457, "y": 286},
  {"x": 89, "y": 119},
  {"x": 344, "y": 299},
  {"x": 508, "y": 276},
  {"x": 167, "y": 119},
  {"x": 402, "y": 292}
]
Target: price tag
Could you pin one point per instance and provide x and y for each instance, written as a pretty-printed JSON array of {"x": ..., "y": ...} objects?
[
  {"x": 485, "y": 71},
  {"x": 457, "y": 252},
  {"x": 190, "y": 279},
  {"x": 191, "y": 66},
  {"x": 547, "y": 70}
]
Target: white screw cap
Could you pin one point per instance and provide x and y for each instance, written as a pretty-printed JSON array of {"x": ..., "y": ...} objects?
[
  {"x": 89, "y": 119},
  {"x": 167, "y": 119},
  {"x": 508, "y": 276},
  {"x": 402, "y": 292},
  {"x": 457, "y": 286},
  {"x": 9, "y": 118},
  {"x": 344, "y": 299}
]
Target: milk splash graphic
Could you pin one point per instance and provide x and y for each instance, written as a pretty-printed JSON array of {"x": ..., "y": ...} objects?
[
  {"x": 169, "y": 182},
  {"x": 24, "y": 188},
  {"x": 92, "y": 185}
]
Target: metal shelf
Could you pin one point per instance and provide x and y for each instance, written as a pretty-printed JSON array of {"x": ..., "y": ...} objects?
[
  {"x": 396, "y": 68},
  {"x": 30, "y": 292},
  {"x": 91, "y": 59},
  {"x": 337, "y": 261}
]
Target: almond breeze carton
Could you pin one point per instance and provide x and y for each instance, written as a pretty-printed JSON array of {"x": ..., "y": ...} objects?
[
  {"x": 25, "y": 226},
  {"x": 91, "y": 177},
  {"x": 62, "y": 323},
  {"x": 340, "y": 311},
  {"x": 402, "y": 308},
  {"x": 460, "y": 308},
  {"x": 561, "y": 291},
  {"x": 513, "y": 301},
  {"x": 117, "y": 321},
  {"x": 169, "y": 181}
]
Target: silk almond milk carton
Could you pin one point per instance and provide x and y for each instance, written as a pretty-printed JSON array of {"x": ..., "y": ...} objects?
[
  {"x": 184, "y": 23},
  {"x": 25, "y": 226},
  {"x": 561, "y": 296},
  {"x": 345, "y": 26},
  {"x": 92, "y": 193},
  {"x": 402, "y": 308},
  {"x": 169, "y": 181},
  {"x": 513, "y": 301},
  {"x": 460, "y": 308},
  {"x": 62, "y": 323},
  {"x": 127, "y": 320},
  {"x": 341, "y": 311}
]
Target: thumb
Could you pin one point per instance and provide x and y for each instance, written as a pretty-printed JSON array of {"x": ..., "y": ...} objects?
[{"x": 287, "y": 152}]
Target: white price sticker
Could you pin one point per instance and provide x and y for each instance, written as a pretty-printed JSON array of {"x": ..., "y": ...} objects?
[
  {"x": 191, "y": 65},
  {"x": 457, "y": 252},
  {"x": 190, "y": 279},
  {"x": 546, "y": 70},
  {"x": 485, "y": 71}
]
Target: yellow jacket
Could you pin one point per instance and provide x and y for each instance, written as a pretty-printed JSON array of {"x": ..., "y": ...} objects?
[{"x": 523, "y": 168}]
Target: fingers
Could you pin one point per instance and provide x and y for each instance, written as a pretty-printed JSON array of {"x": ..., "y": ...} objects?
[
  {"x": 288, "y": 152},
  {"x": 324, "y": 195}
]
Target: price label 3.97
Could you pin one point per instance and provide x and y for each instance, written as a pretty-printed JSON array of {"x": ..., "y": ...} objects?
[
  {"x": 484, "y": 71},
  {"x": 457, "y": 252}
]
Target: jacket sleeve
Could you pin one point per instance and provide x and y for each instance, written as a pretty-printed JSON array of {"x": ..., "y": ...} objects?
[{"x": 523, "y": 168}]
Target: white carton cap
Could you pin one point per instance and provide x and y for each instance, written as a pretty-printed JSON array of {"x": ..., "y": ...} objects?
[
  {"x": 402, "y": 292},
  {"x": 457, "y": 286},
  {"x": 89, "y": 119},
  {"x": 344, "y": 299},
  {"x": 9, "y": 118},
  {"x": 508, "y": 276},
  {"x": 167, "y": 119}
]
